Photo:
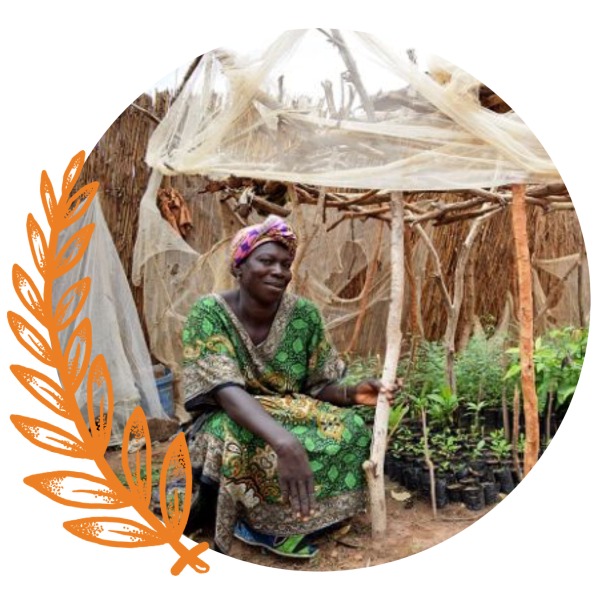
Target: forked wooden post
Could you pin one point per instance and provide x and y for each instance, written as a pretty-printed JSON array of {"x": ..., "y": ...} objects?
[
  {"x": 453, "y": 302},
  {"x": 374, "y": 466},
  {"x": 530, "y": 401}
]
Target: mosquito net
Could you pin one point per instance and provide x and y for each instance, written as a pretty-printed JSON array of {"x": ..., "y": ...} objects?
[
  {"x": 116, "y": 329},
  {"x": 318, "y": 112},
  {"x": 332, "y": 109}
]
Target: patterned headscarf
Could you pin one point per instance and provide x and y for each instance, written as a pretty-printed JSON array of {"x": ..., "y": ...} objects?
[{"x": 273, "y": 229}]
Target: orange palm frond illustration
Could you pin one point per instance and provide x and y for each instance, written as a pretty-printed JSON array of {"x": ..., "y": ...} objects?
[{"x": 87, "y": 436}]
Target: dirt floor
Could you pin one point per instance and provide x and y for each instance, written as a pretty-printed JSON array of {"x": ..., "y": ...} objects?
[
  {"x": 411, "y": 529},
  {"x": 410, "y": 524}
]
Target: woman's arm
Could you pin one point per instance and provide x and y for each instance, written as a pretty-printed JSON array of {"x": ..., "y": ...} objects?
[
  {"x": 295, "y": 475},
  {"x": 363, "y": 393},
  {"x": 337, "y": 394},
  {"x": 326, "y": 366}
]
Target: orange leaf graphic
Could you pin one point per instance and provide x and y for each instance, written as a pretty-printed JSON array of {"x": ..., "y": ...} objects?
[
  {"x": 30, "y": 338},
  {"x": 78, "y": 353},
  {"x": 28, "y": 292},
  {"x": 176, "y": 469},
  {"x": 191, "y": 558},
  {"x": 42, "y": 388},
  {"x": 72, "y": 173},
  {"x": 72, "y": 358},
  {"x": 73, "y": 249},
  {"x": 71, "y": 303},
  {"x": 48, "y": 197},
  {"x": 113, "y": 531},
  {"x": 38, "y": 244},
  {"x": 49, "y": 437},
  {"x": 136, "y": 429},
  {"x": 79, "y": 203},
  {"x": 99, "y": 385},
  {"x": 75, "y": 489}
]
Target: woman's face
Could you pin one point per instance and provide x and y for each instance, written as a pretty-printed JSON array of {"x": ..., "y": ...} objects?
[{"x": 266, "y": 273}]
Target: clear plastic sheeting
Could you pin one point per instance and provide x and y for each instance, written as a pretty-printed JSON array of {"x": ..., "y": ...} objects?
[
  {"x": 343, "y": 110},
  {"x": 116, "y": 329}
]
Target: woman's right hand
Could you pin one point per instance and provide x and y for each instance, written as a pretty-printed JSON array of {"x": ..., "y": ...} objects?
[
  {"x": 295, "y": 475},
  {"x": 296, "y": 478}
]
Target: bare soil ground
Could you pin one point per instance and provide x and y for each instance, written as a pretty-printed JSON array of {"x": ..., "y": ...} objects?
[
  {"x": 411, "y": 529},
  {"x": 410, "y": 524}
]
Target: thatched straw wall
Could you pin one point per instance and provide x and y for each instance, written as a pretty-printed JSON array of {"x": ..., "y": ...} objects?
[
  {"x": 551, "y": 235},
  {"x": 117, "y": 163}
]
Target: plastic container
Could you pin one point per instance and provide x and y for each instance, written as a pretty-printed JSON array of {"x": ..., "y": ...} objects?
[
  {"x": 164, "y": 383},
  {"x": 473, "y": 497}
]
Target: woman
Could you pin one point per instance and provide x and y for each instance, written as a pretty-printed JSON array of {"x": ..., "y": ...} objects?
[{"x": 276, "y": 437}]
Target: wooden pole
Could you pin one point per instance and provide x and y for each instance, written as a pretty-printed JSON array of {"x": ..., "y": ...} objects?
[
  {"x": 374, "y": 465},
  {"x": 530, "y": 401},
  {"x": 468, "y": 306},
  {"x": 429, "y": 463},
  {"x": 350, "y": 63},
  {"x": 416, "y": 320}
]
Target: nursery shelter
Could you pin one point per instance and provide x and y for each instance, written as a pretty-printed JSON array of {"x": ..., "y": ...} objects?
[{"x": 325, "y": 143}]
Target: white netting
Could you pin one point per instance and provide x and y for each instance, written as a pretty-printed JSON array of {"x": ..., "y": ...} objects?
[
  {"x": 372, "y": 120},
  {"x": 116, "y": 329},
  {"x": 362, "y": 116},
  {"x": 568, "y": 298}
]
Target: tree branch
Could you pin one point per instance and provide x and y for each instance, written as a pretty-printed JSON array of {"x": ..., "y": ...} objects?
[
  {"x": 146, "y": 112},
  {"x": 438, "y": 266}
]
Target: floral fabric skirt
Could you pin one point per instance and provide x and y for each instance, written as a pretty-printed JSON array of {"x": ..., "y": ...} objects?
[{"x": 244, "y": 467}]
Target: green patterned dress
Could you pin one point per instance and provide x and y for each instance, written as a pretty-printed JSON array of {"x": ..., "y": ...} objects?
[{"x": 283, "y": 373}]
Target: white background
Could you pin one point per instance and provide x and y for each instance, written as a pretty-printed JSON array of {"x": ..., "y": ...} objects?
[{"x": 70, "y": 68}]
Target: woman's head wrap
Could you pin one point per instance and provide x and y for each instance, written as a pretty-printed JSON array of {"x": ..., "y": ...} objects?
[{"x": 273, "y": 229}]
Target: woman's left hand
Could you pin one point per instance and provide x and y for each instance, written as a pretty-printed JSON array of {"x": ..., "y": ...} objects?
[{"x": 367, "y": 391}]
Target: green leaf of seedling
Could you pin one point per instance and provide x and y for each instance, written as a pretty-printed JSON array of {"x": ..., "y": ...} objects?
[
  {"x": 513, "y": 371},
  {"x": 564, "y": 393}
]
